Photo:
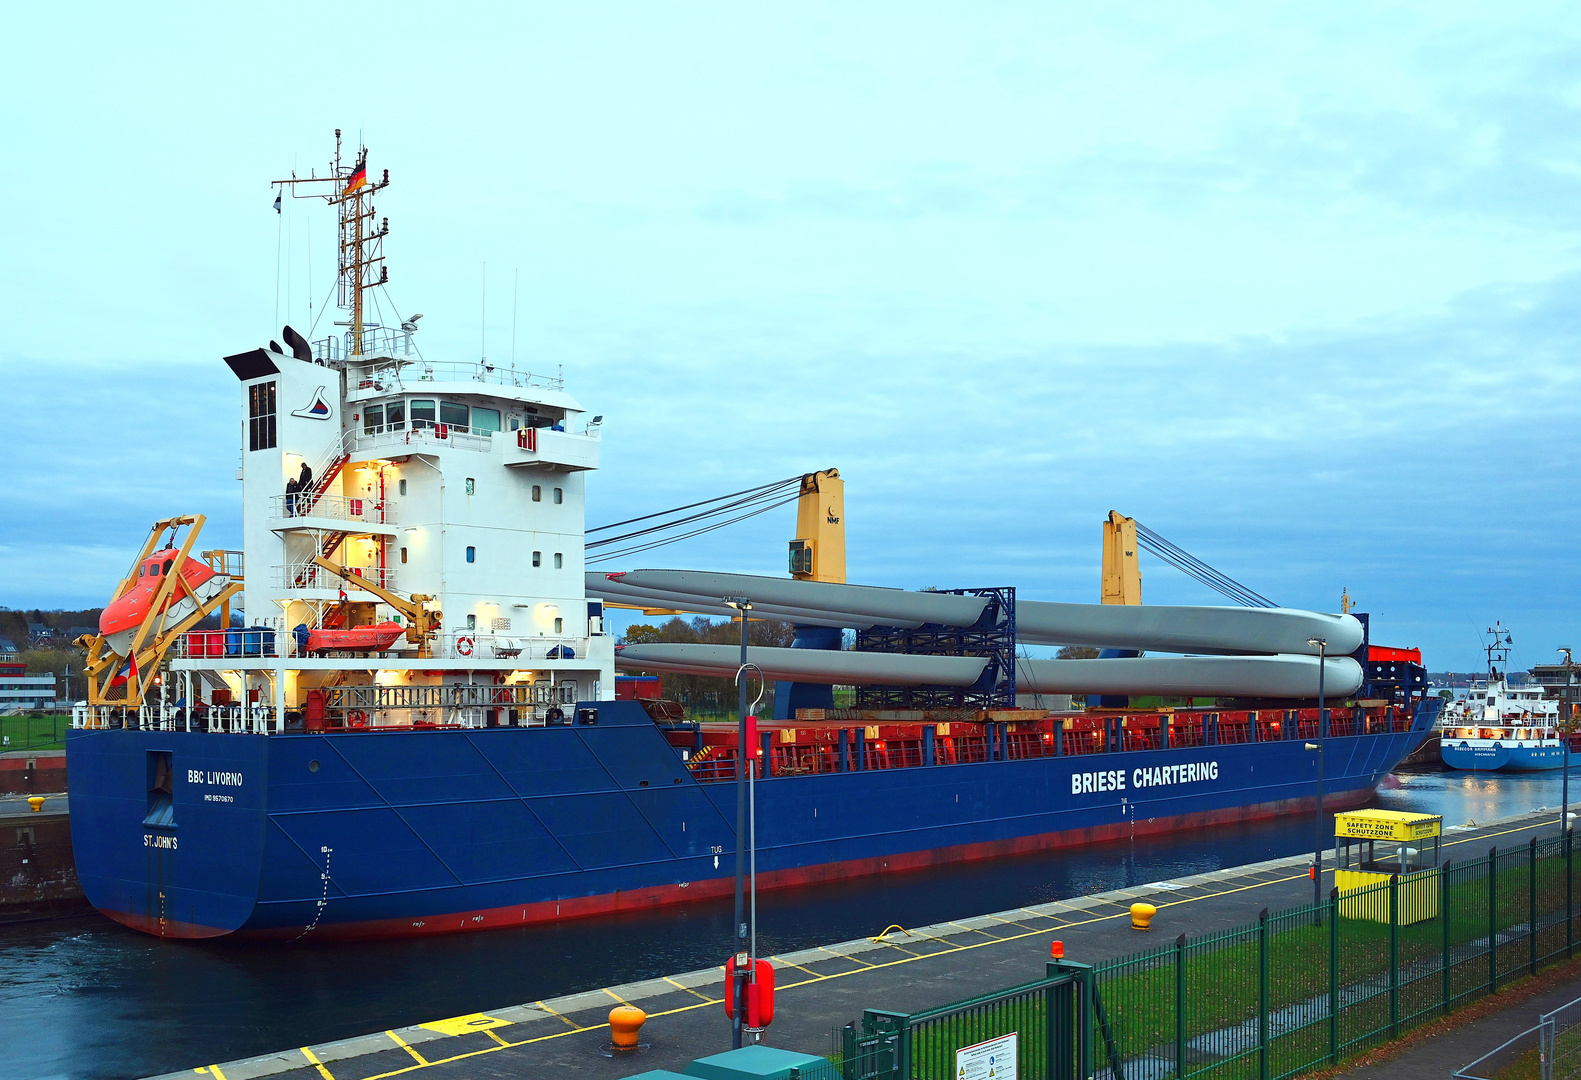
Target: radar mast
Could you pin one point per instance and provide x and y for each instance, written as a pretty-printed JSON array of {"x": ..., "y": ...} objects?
[{"x": 361, "y": 243}]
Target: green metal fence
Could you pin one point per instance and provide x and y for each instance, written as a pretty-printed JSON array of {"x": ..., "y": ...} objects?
[
  {"x": 1294, "y": 990},
  {"x": 1309, "y": 986},
  {"x": 1037, "y": 1026},
  {"x": 30, "y": 731}
]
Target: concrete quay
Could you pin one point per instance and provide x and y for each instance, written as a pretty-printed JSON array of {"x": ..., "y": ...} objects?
[
  {"x": 822, "y": 988},
  {"x": 38, "y": 875}
]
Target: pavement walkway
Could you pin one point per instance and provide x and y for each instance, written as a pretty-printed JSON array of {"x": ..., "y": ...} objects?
[{"x": 821, "y": 989}]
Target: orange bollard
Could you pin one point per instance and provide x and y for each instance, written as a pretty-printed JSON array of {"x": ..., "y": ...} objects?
[{"x": 625, "y": 1021}]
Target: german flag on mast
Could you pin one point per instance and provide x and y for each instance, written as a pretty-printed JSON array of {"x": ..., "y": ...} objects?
[{"x": 359, "y": 175}]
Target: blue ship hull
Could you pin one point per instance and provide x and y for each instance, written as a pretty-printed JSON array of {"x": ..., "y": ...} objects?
[
  {"x": 1506, "y": 757},
  {"x": 383, "y": 834}
]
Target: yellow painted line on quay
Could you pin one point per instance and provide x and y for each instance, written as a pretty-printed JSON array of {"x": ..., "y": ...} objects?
[
  {"x": 817, "y": 978},
  {"x": 688, "y": 989},
  {"x": 312, "y": 1059},
  {"x": 404, "y": 1045}
]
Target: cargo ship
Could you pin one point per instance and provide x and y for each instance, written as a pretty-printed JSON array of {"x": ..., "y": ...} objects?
[{"x": 415, "y": 729}]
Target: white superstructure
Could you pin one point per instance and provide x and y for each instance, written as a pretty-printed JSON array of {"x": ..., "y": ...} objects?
[{"x": 459, "y": 483}]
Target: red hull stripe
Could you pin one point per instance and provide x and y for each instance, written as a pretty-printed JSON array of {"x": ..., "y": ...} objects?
[{"x": 665, "y": 895}]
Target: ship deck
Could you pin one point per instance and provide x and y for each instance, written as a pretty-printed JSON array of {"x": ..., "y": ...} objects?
[{"x": 822, "y": 988}]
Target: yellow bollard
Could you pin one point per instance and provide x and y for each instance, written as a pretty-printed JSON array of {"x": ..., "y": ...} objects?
[
  {"x": 1142, "y": 916},
  {"x": 625, "y": 1021},
  {"x": 36, "y": 802}
]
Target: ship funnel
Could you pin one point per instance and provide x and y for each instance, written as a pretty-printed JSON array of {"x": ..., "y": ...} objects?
[{"x": 299, "y": 346}]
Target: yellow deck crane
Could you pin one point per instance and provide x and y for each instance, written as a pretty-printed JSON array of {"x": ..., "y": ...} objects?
[
  {"x": 1122, "y": 574},
  {"x": 422, "y": 623},
  {"x": 818, "y": 552},
  {"x": 156, "y": 634}
]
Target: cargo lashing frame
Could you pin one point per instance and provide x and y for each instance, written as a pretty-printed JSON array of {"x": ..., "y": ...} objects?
[{"x": 993, "y": 636}]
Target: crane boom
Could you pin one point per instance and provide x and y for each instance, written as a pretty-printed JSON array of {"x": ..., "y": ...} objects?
[{"x": 421, "y": 623}]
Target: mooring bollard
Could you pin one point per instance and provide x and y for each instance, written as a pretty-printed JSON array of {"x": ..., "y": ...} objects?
[
  {"x": 1142, "y": 916},
  {"x": 37, "y": 803},
  {"x": 625, "y": 1022}
]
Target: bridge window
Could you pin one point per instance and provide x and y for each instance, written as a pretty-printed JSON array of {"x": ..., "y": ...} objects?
[
  {"x": 394, "y": 415},
  {"x": 485, "y": 421},
  {"x": 454, "y": 415},
  {"x": 261, "y": 416},
  {"x": 372, "y": 419},
  {"x": 422, "y": 413}
]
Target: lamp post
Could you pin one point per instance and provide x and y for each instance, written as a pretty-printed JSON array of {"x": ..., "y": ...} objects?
[
  {"x": 743, "y": 953},
  {"x": 1321, "y": 645},
  {"x": 1567, "y": 725}
]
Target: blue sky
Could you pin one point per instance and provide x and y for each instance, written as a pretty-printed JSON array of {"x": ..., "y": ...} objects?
[{"x": 1295, "y": 286}]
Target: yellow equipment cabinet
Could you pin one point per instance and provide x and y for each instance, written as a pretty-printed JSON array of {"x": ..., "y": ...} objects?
[{"x": 1371, "y": 847}]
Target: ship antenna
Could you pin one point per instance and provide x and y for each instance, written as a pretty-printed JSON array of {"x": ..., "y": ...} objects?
[{"x": 351, "y": 192}]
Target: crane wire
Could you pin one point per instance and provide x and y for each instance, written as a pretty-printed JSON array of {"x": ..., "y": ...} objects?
[
  {"x": 1194, "y": 567},
  {"x": 607, "y": 556},
  {"x": 705, "y": 502},
  {"x": 703, "y": 515}
]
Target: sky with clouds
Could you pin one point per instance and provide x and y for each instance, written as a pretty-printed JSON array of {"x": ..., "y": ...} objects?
[{"x": 1294, "y": 285}]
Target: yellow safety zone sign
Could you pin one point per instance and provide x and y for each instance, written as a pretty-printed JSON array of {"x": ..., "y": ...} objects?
[{"x": 460, "y": 1025}]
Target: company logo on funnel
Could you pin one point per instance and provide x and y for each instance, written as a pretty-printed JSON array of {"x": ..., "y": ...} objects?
[{"x": 317, "y": 408}]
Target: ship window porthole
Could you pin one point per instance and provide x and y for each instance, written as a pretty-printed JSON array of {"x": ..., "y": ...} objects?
[
  {"x": 402, "y": 486},
  {"x": 537, "y": 493},
  {"x": 168, "y": 564},
  {"x": 472, "y": 554},
  {"x": 559, "y": 496},
  {"x": 559, "y": 626},
  {"x": 312, "y": 766},
  {"x": 472, "y": 486},
  {"x": 537, "y": 558},
  {"x": 403, "y": 554},
  {"x": 559, "y": 560}
]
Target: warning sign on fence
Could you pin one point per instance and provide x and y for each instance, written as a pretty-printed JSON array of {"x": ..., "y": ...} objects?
[{"x": 994, "y": 1059}]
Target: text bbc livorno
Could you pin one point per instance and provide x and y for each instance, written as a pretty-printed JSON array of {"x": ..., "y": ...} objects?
[{"x": 1115, "y": 779}]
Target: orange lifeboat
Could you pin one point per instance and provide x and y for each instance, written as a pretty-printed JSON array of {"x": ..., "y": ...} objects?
[
  {"x": 375, "y": 638},
  {"x": 195, "y": 583}
]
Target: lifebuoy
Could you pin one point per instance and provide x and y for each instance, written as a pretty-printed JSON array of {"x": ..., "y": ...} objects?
[
  {"x": 464, "y": 646},
  {"x": 357, "y": 719}
]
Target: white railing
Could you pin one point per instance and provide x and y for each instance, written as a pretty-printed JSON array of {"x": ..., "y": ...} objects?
[
  {"x": 404, "y": 373},
  {"x": 311, "y": 576},
  {"x": 335, "y": 507},
  {"x": 473, "y": 645},
  {"x": 409, "y": 438},
  {"x": 257, "y": 719}
]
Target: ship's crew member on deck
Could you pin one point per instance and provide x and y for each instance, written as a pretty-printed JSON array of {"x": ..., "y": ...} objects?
[{"x": 303, "y": 482}]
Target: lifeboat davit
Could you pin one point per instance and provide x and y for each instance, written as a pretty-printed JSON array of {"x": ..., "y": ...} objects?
[
  {"x": 195, "y": 584},
  {"x": 374, "y": 638}
]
